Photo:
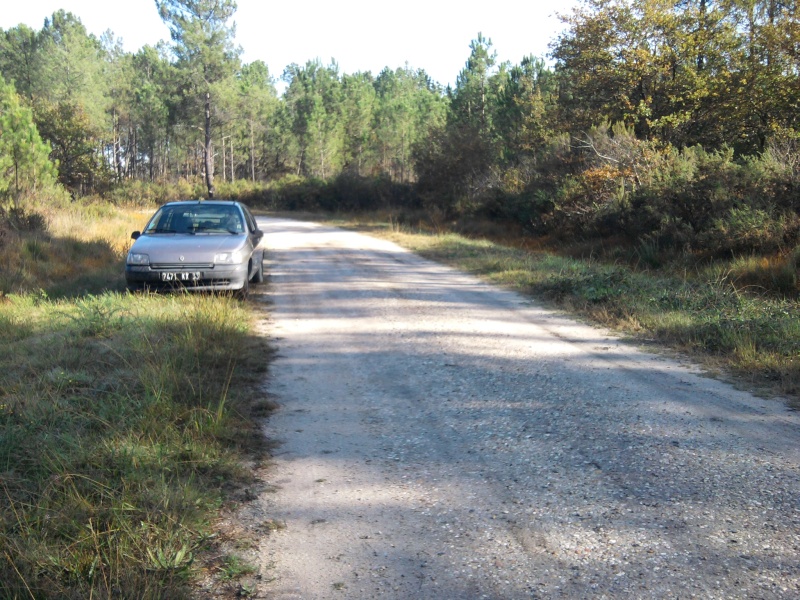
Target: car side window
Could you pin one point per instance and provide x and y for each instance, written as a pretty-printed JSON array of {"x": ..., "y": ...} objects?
[{"x": 251, "y": 221}]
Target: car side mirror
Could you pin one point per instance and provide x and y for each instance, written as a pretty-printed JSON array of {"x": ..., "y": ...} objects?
[
  {"x": 258, "y": 234},
  {"x": 135, "y": 235}
]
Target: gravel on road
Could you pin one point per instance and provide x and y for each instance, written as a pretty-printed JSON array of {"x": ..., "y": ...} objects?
[{"x": 443, "y": 438}]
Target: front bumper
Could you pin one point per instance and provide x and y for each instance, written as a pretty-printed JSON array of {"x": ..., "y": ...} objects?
[{"x": 207, "y": 279}]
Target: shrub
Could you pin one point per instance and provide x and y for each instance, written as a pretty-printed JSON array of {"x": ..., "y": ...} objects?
[
  {"x": 746, "y": 229},
  {"x": 18, "y": 219}
]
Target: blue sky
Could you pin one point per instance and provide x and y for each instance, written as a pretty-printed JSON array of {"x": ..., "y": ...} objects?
[{"x": 361, "y": 35}]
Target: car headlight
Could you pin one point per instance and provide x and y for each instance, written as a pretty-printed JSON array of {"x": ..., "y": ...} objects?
[
  {"x": 138, "y": 259},
  {"x": 229, "y": 258}
]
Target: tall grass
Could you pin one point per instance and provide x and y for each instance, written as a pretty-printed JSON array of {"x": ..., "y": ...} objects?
[
  {"x": 78, "y": 249},
  {"x": 124, "y": 421}
]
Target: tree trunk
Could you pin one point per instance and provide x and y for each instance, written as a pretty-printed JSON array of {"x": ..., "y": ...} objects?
[
  {"x": 117, "y": 146},
  {"x": 208, "y": 156},
  {"x": 252, "y": 154}
]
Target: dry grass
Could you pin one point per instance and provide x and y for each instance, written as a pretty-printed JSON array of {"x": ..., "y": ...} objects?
[{"x": 124, "y": 419}]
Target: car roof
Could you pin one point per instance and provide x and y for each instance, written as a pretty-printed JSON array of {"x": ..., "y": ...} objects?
[{"x": 189, "y": 202}]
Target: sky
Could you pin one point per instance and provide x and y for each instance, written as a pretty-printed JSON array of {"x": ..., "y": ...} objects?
[{"x": 360, "y": 35}]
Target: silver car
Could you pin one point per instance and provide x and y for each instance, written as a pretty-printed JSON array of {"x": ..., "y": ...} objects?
[{"x": 198, "y": 245}]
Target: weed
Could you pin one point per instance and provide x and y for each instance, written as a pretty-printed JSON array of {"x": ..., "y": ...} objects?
[
  {"x": 273, "y": 525},
  {"x": 649, "y": 254},
  {"x": 234, "y": 567}
]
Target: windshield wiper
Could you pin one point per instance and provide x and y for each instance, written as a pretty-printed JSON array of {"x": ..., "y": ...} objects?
[{"x": 160, "y": 230}]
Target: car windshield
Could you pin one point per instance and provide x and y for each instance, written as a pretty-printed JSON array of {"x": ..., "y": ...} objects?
[{"x": 196, "y": 218}]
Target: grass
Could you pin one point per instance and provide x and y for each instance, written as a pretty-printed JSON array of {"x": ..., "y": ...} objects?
[
  {"x": 124, "y": 419},
  {"x": 711, "y": 313},
  {"x": 79, "y": 252}
]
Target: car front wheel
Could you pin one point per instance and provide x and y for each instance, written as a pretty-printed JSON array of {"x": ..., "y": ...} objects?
[
  {"x": 242, "y": 292},
  {"x": 258, "y": 276}
]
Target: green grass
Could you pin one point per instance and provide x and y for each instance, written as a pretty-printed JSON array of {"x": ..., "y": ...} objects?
[
  {"x": 125, "y": 424},
  {"x": 752, "y": 336}
]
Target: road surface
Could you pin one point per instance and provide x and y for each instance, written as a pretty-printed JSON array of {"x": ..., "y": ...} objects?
[{"x": 441, "y": 438}]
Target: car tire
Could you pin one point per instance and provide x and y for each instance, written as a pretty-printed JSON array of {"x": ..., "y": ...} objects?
[
  {"x": 258, "y": 277},
  {"x": 244, "y": 291}
]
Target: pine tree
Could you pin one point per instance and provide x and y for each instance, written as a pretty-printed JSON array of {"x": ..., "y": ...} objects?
[
  {"x": 203, "y": 45},
  {"x": 24, "y": 158}
]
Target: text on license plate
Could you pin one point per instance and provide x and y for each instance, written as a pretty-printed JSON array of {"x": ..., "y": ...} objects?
[{"x": 181, "y": 276}]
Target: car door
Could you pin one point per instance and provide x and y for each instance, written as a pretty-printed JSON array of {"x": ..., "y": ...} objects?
[{"x": 255, "y": 235}]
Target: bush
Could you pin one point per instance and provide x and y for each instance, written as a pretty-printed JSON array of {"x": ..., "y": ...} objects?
[
  {"x": 747, "y": 229},
  {"x": 19, "y": 219},
  {"x": 137, "y": 193},
  {"x": 609, "y": 185}
]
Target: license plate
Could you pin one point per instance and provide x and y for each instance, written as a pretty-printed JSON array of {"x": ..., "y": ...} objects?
[{"x": 181, "y": 276}]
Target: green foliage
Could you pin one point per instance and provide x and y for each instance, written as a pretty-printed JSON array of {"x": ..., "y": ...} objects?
[
  {"x": 257, "y": 106},
  {"x": 68, "y": 130},
  {"x": 747, "y": 229},
  {"x": 684, "y": 73},
  {"x": 457, "y": 173},
  {"x": 60, "y": 71},
  {"x": 359, "y": 104},
  {"x": 134, "y": 192},
  {"x": 203, "y": 37},
  {"x": 206, "y": 62},
  {"x": 526, "y": 104},
  {"x": 776, "y": 275},
  {"x": 314, "y": 101},
  {"x": 234, "y": 567},
  {"x": 661, "y": 125},
  {"x": 72, "y": 70},
  {"x": 347, "y": 192},
  {"x": 152, "y": 100},
  {"x": 24, "y": 163},
  {"x": 409, "y": 108},
  {"x": 18, "y": 219},
  {"x": 21, "y": 58}
]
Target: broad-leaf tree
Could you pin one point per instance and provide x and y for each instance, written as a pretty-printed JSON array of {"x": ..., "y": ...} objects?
[
  {"x": 75, "y": 145},
  {"x": 61, "y": 72}
]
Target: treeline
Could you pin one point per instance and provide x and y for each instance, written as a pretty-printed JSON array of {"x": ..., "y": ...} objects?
[
  {"x": 669, "y": 124},
  {"x": 112, "y": 116}
]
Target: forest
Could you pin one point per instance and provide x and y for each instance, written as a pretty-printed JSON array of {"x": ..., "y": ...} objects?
[{"x": 663, "y": 125}]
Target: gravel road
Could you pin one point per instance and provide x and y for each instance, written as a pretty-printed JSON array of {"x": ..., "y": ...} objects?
[{"x": 442, "y": 438}]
